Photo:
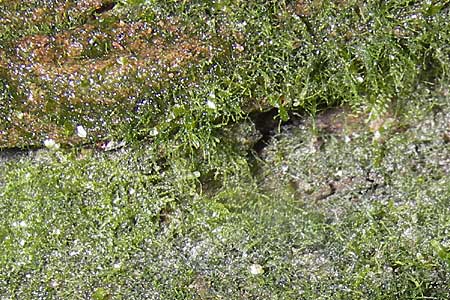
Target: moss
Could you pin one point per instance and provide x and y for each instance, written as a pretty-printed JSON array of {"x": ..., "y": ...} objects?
[
  {"x": 95, "y": 74},
  {"x": 99, "y": 68},
  {"x": 339, "y": 221},
  {"x": 166, "y": 197}
]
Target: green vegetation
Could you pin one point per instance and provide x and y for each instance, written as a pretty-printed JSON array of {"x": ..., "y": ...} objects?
[
  {"x": 143, "y": 66},
  {"x": 172, "y": 189}
]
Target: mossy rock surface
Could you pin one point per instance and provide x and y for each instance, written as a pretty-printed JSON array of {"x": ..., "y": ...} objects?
[
  {"x": 224, "y": 150},
  {"x": 96, "y": 73},
  {"x": 130, "y": 69},
  {"x": 335, "y": 210}
]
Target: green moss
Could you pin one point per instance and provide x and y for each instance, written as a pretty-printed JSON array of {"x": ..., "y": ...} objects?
[
  {"x": 126, "y": 224},
  {"x": 126, "y": 71},
  {"x": 338, "y": 207}
]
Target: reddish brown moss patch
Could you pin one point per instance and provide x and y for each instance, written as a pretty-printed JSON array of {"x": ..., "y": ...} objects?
[{"x": 88, "y": 73}]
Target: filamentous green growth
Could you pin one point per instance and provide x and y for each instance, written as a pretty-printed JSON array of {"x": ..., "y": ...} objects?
[{"x": 187, "y": 149}]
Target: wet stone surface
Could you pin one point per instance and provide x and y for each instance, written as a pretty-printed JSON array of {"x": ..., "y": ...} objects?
[{"x": 348, "y": 162}]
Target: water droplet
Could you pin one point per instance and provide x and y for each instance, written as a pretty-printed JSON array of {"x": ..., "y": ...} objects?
[
  {"x": 211, "y": 104},
  {"x": 51, "y": 144},
  {"x": 256, "y": 269},
  {"x": 239, "y": 47},
  {"x": 376, "y": 135},
  {"x": 81, "y": 132},
  {"x": 154, "y": 132}
]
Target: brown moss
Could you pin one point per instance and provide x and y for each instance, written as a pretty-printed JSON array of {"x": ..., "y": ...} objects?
[
  {"x": 307, "y": 8},
  {"x": 90, "y": 68}
]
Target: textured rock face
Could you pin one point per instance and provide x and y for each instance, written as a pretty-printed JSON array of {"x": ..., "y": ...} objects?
[{"x": 359, "y": 161}]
